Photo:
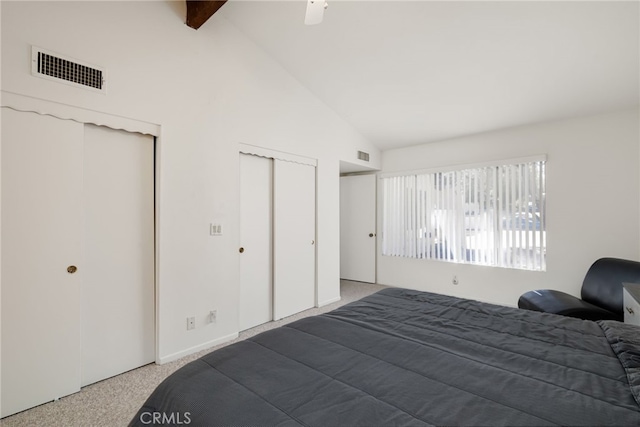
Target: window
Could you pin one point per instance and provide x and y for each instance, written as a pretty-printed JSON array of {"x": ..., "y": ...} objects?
[{"x": 489, "y": 215}]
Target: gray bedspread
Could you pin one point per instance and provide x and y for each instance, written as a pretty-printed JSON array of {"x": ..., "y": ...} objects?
[{"x": 403, "y": 357}]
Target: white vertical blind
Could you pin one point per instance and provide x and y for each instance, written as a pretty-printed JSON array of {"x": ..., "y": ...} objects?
[{"x": 489, "y": 215}]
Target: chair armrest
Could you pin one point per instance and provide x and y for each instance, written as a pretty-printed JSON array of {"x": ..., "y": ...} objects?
[{"x": 556, "y": 302}]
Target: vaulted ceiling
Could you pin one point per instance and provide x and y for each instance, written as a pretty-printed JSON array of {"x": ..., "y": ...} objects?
[{"x": 411, "y": 72}]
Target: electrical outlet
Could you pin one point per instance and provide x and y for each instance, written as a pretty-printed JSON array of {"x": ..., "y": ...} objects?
[
  {"x": 455, "y": 280},
  {"x": 191, "y": 323},
  {"x": 213, "y": 315}
]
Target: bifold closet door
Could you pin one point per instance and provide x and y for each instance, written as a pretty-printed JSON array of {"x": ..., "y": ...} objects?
[
  {"x": 118, "y": 283},
  {"x": 256, "y": 240},
  {"x": 294, "y": 237},
  {"x": 41, "y": 243}
]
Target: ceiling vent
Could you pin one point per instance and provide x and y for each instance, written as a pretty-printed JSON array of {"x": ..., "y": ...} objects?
[
  {"x": 52, "y": 66},
  {"x": 363, "y": 156}
]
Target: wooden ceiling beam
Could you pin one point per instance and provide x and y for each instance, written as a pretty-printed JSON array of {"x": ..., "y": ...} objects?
[{"x": 198, "y": 11}]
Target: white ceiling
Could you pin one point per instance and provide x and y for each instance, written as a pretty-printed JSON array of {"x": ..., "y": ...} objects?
[{"x": 406, "y": 73}]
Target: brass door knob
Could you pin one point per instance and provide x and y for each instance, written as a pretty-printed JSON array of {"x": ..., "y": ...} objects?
[
  {"x": 241, "y": 250},
  {"x": 72, "y": 269}
]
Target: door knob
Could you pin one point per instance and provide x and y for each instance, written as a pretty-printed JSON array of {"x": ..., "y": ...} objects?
[
  {"x": 313, "y": 242},
  {"x": 371, "y": 234},
  {"x": 72, "y": 269},
  {"x": 241, "y": 250}
]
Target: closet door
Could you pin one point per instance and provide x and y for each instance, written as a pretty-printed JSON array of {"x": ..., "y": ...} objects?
[
  {"x": 118, "y": 332},
  {"x": 256, "y": 241},
  {"x": 294, "y": 237},
  {"x": 41, "y": 240}
]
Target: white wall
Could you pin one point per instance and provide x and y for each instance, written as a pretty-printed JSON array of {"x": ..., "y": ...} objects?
[
  {"x": 209, "y": 90},
  {"x": 0, "y": 222},
  {"x": 593, "y": 202}
]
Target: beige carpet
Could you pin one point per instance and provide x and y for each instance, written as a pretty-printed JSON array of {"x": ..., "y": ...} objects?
[{"x": 113, "y": 402}]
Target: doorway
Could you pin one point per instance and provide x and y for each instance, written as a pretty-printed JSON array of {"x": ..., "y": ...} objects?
[{"x": 358, "y": 228}]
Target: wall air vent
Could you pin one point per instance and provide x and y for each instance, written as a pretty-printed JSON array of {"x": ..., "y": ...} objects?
[
  {"x": 363, "y": 156},
  {"x": 52, "y": 66}
]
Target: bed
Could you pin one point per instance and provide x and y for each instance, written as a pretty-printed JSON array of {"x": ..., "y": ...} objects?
[{"x": 404, "y": 357}]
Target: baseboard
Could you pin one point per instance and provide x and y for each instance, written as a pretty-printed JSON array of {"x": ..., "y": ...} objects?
[
  {"x": 195, "y": 349},
  {"x": 331, "y": 301}
]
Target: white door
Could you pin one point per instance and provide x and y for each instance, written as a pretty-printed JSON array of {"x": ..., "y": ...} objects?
[
  {"x": 256, "y": 241},
  {"x": 118, "y": 271},
  {"x": 358, "y": 228},
  {"x": 294, "y": 237},
  {"x": 41, "y": 238}
]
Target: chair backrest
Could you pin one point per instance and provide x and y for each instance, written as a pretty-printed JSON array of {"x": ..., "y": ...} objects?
[{"x": 602, "y": 285}]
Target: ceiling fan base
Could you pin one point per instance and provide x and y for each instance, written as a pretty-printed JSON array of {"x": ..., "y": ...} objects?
[{"x": 315, "y": 12}]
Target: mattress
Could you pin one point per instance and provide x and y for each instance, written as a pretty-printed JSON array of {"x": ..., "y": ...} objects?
[{"x": 404, "y": 357}]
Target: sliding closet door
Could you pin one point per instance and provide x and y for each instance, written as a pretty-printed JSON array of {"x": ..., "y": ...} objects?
[
  {"x": 118, "y": 286},
  {"x": 41, "y": 246},
  {"x": 294, "y": 237},
  {"x": 256, "y": 241}
]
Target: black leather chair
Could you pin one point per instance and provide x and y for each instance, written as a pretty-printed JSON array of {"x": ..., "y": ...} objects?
[{"x": 601, "y": 293}]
